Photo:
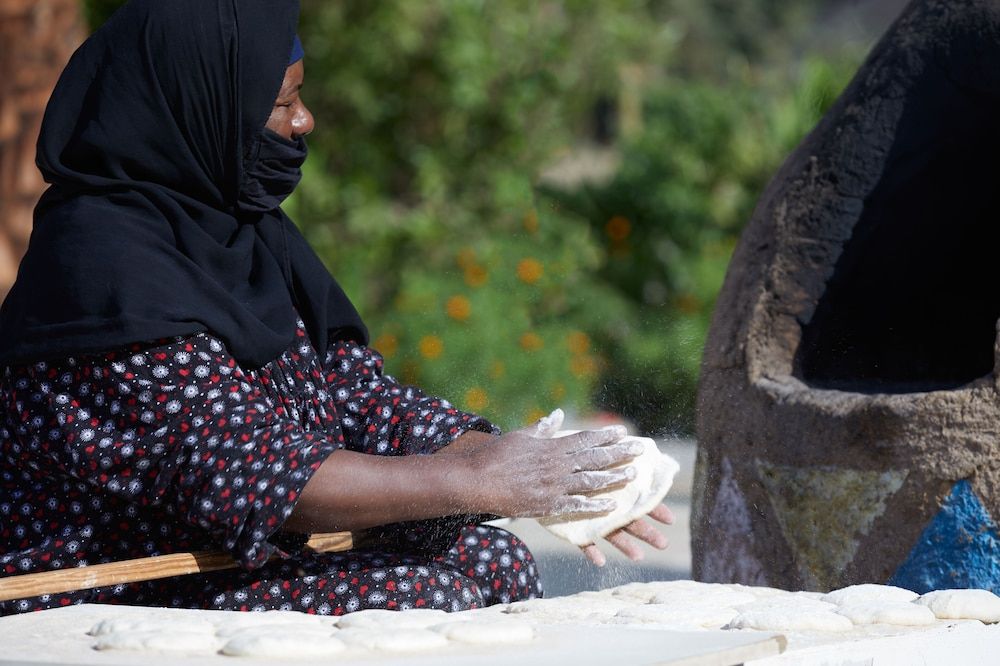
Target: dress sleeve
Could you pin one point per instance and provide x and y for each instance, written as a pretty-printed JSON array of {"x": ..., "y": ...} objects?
[
  {"x": 176, "y": 429},
  {"x": 382, "y": 417}
]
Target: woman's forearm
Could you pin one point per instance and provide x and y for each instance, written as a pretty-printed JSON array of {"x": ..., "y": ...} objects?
[{"x": 353, "y": 491}]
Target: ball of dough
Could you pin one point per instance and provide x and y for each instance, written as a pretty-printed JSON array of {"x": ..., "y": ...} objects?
[
  {"x": 126, "y": 625},
  {"x": 377, "y": 618},
  {"x": 868, "y": 593},
  {"x": 900, "y": 613},
  {"x": 487, "y": 632},
  {"x": 159, "y": 640},
  {"x": 276, "y": 644},
  {"x": 654, "y": 475},
  {"x": 705, "y": 615},
  {"x": 397, "y": 641},
  {"x": 980, "y": 605},
  {"x": 778, "y": 618}
]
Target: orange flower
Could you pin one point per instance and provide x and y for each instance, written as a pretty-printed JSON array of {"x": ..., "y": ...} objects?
[
  {"x": 475, "y": 275},
  {"x": 531, "y": 342},
  {"x": 458, "y": 308},
  {"x": 530, "y": 270},
  {"x": 583, "y": 366},
  {"x": 531, "y": 221},
  {"x": 386, "y": 344},
  {"x": 534, "y": 414},
  {"x": 578, "y": 342},
  {"x": 431, "y": 347},
  {"x": 466, "y": 257},
  {"x": 618, "y": 228},
  {"x": 476, "y": 399}
]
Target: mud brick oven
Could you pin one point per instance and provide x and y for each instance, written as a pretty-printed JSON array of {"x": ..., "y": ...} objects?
[
  {"x": 37, "y": 38},
  {"x": 849, "y": 416}
]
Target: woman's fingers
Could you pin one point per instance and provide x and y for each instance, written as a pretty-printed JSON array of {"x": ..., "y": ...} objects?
[
  {"x": 623, "y": 542},
  {"x": 588, "y": 439},
  {"x": 662, "y": 514},
  {"x": 576, "y": 504},
  {"x": 603, "y": 457},
  {"x": 589, "y": 482},
  {"x": 594, "y": 554},
  {"x": 644, "y": 531}
]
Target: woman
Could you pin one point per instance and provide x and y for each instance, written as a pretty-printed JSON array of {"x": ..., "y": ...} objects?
[{"x": 182, "y": 373}]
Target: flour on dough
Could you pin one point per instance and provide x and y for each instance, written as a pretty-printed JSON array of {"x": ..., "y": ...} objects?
[
  {"x": 868, "y": 592},
  {"x": 654, "y": 475},
  {"x": 377, "y": 618},
  {"x": 386, "y": 640},
  {"x": 276, "y": 629},
  {"x": 901, "y": 613},
  {"x": 567, "y": 609},
  {"x": 778, "y": 618},
  {"x": 124, "y": 625},
  {"x": 159, "y": 640},
  {"x": 487, "y": 632},
  {"x": 980, "y": 605},
  {"x": 704, "y": 615},
  {"x": 289, "y": 645}
]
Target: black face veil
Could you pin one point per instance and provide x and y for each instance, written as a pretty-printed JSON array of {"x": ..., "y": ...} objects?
[{"x": 145, "y": 143}]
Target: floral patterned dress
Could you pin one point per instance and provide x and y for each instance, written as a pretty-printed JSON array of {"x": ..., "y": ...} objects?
[{"x": 171, "y": 446}]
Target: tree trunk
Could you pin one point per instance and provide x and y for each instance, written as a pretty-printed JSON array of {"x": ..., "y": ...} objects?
[{"x": 37, "y": 38}]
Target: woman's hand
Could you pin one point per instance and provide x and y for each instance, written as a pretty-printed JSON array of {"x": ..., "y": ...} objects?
[
  {"x": 522, "y": 474},
  {"x": 626, "y": 538}
]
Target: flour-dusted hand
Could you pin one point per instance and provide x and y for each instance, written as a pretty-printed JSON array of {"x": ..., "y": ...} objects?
[{"x": 523, "y": 474}]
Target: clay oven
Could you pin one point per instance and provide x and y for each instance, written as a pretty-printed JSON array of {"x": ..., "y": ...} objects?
[{"x": 849, "y": 410}]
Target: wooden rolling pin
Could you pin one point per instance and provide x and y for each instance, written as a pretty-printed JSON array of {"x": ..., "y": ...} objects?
[{"x": 142, "y": 569}]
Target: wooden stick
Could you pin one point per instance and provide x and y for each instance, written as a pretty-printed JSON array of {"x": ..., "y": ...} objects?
[{"x": 142, "y": 569}]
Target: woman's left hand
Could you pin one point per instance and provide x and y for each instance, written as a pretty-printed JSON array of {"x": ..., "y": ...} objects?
[{"x": 626, "y": 539}]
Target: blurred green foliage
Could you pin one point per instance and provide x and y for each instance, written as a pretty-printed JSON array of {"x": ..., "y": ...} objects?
[{"x": 435, "y": 120}]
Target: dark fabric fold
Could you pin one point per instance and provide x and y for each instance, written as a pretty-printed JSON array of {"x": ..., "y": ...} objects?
[{"x": 146, "y": 144}]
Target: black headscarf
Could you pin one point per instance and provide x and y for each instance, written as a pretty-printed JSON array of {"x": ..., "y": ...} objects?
[{"x": 146, "y": 142}]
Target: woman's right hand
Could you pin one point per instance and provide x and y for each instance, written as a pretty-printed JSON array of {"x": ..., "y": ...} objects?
[{"x": 523, "y": 474}]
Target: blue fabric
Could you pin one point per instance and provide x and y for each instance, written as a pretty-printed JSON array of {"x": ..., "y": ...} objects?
[
  {"x": 298, "y": 53},
  {"x": 960, "y": 548}
]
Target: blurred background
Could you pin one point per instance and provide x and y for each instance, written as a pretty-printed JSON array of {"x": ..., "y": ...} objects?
[{"x": 531, "y": 202}]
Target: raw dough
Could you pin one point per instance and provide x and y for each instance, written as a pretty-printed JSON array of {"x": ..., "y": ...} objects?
[
  {"x": 868, "y": 592},
  {"x": 125, "y": 625},
  {"x": 980, "y": 605},
  {"x": 377, "y": 618},
  {"x": 790, "y": 613},
  {"x": 487, "y": 632},
  {"x": 385, "y": 640},
  {"x": 654, "y": 475},
  {"x": 780, "y": 618},
  {"x": 159, "y": 640},
  {"x": 716, "y": 598},
  {"x": 706, "y": 614},
  {"x": 294, "y": 645},
  {"x": 276, "y": 629},
  {"x": 888, "y": 612},
  {"x": 567, "y": 609}
]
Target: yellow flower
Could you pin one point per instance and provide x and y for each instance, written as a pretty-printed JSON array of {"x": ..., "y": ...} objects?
[
  {"x": 530, "y": 270},
  {"x": 531, "y": 221},
  {"x": 498, "y": 370},
  {"x": 431, "y": 347},
  {"x": 618, "y": 228},
  {"x": 476, "y": 399},
  {"x": 386, "y": 344},
  {"x": 558, "y": 392},
  {"x": 475, "y": 275},
  {"x": 531, "y": 342},
  {"x": 534, "y": 414},
  {"x": 578, "y": 342},
  {"x": 466, "y": 257},
  {"x": 583, "y": 366},
  {"x": 688, "y": 303},
  {"x": 458, "y": 308}
]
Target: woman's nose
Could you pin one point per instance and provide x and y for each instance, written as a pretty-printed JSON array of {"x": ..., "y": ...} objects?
[{"x": 303, "y": 123}]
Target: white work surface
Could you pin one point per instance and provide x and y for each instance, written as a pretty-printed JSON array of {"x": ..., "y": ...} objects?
[
  {"x": 59, "y": 637},
  {"x": 582, "y": 629}
]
